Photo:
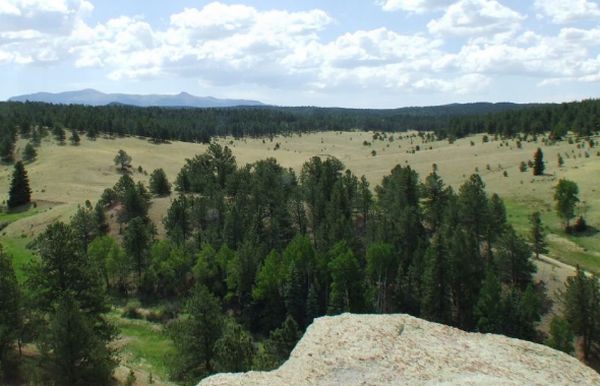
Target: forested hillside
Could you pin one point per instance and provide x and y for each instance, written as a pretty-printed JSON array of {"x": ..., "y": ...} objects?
[
  {"x": 199, "y": 125},
  {"x": 259, "y": 252}
]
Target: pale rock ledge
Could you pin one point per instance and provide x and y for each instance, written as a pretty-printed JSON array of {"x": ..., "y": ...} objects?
[{"x": 399, "y": 349}]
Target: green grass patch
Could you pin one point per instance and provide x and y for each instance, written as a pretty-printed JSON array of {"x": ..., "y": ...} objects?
[
  {"x": 17, "y": 248},
  {"x": 570, "y": 249},
  {"x": 9, "y": 217},
  {"x": 146, "y": 345}
]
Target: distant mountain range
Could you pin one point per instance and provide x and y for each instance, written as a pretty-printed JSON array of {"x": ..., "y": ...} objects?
[{"x": 96, "y": 98}]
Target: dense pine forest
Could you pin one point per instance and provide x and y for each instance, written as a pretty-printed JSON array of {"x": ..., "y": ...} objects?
[
  {"x": 253, "y": 253},
  {"x": 258, "y": 252},
  {"x": 199, "y": 125}
]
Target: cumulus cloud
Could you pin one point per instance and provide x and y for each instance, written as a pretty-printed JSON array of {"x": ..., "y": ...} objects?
[
  {"x": 565, "y": 11},
  {"x": 234, "y": 45},
  {"x": 416, "y": 6},
  {"x": 475, "y": 17},
  {"x": 36, "y": 30},
  {"x": 567, "y": 56},
  {"x": 48, "y": 16}
]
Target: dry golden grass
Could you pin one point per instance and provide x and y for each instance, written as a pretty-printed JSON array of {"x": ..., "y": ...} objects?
[{"x": 65, "y": 176}]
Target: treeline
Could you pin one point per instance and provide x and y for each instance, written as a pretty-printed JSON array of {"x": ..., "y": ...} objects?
[{"x": 200, "y": 125}]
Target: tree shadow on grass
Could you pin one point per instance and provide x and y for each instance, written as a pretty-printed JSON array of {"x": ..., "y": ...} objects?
[
  {"x": 20, "y": 208},
  {"x": 587, "y": 232}
]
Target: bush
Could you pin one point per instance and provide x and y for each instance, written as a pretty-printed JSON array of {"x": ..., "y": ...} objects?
[
  {"x": 131, "y": 312},
  {"x": 580, "y": 225},
  {"x": 130, "y": 381},
  {"x": 522, "y": 167},
  {"x": 160, "y": 316}
]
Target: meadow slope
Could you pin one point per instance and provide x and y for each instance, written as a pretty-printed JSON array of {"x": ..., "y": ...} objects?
[{"x": 64, "y": 176}]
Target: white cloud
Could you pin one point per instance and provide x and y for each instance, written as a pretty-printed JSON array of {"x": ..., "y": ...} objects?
[
  {"x": 475, "y": 17},
  {"x": 565, "y": 11},
  {"x": 219, "y": 43},
  {"x": 417, "y": 6},
  {"x": 34, "y": 31},
  {"x": 566, "y": 56},
  {"x": 123, "y": 41},
  {"x": 231, "y": 45},
  {"x": 374, "y": 59},
  {"x": 459, "y": 85},
  {"x": 56, "y": 17}
]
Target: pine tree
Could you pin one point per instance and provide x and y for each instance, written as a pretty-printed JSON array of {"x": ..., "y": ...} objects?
[
  {"x": 77, "y": 356},
  {"x": 136, "y": 241},
  {"x": 234, "y": 350},
  {"x": 100, "y": 219},
  {"x": 83, "y": 226},
  {"x": 195, "y": 334},
  {"x": 69, "y": 296},
  {"x": 313, "y": 303},
  {"x": 382, "y": 265},
  {"x": 279, "y": 345},
  {"x": 295, "y": 293},
  {"x": 520, "y": 310},
  {"x": 347, "y": 292},
  {"x": 474, "y": 210},
  {"x": 561, "y": 336},
  {"x": 581, "y": 305},
  {"x": 7, "y": 145},
  {"x": 63, "y": 268},
  {"x": 538, "y": 163},
  {"x": 364, "y": 201},
  {"x": 435, "y": 197},
  {"x": 537, "y": 235},
  {"x": 159, "y": 184},
  {"x": 10, "y": 319},
  {"x": 435, "y": 299},
  {"x": 59, "y": 134},
  {"x": 488, "y": 310},
  {"x": 74, "y": 138},
  {"x": 495, "y": 224},
  {"x": 19, "y": 192},
  {"x": 136, "y": 202},
  {"x": 36, "y": 138},
  {"x": 268, "y": 290},
  {"x": 29, "y": 153},
  {"x": 513, "y": 260},
  {"x": 529, "y": 313}
]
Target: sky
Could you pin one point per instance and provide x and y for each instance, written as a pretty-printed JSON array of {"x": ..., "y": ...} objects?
[{"x": 348, "y": 53}]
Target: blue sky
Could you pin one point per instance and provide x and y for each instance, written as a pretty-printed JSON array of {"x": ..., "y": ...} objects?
[{"x": 369, "y": 53}]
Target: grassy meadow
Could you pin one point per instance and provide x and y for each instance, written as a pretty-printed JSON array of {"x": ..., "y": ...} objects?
[{"x": 63, "y": 177}]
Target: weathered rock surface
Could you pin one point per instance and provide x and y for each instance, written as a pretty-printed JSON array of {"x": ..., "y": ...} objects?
[{"x": 402, "y": 350}]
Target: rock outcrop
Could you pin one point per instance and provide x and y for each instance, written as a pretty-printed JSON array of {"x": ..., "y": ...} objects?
[{"x": 403, "y": 350}]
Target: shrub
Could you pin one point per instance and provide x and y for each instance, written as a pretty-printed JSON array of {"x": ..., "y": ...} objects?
[
  {"x": 522, "y": 167},
  {"x": 580, "y": 225},
  {"x": 131, "y": 312}
]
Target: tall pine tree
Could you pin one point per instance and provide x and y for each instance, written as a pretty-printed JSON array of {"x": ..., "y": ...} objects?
[
  {"x": 538, "y": 163},
  {"x": 19, "y": 193},
  {"x": 9, "y": 314},
  {"x": 537, "y": 236}
]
